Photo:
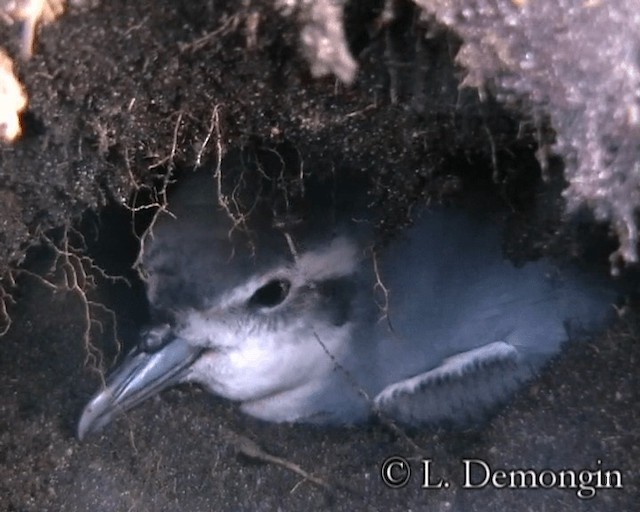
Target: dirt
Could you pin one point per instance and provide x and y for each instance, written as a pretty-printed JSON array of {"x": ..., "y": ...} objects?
[
  {"x": 184, "y": 449},
  {"x": 122, "y": 93}
]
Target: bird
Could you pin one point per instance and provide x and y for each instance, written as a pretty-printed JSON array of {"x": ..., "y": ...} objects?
[{"x": 314, "y": 322}]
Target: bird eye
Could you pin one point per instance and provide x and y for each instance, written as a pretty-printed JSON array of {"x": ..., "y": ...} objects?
[{"x": 271, "y": 294}]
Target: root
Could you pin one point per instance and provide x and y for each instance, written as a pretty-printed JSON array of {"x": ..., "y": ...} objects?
[
  {"x": 6, "y": 298},
  {"x": 230, "y": 24},
  {"x": 158, "y": 202},
  {"x": 229, "y": 203},
  {"x": 72, "y": 271},
  {"x": 380, "y": 415},
  {"x": 251, "y": 449},
  {"x": 79, "y": 276},
  {"x": 159, "y": 206},
  {"x": 380, "y": 288}
]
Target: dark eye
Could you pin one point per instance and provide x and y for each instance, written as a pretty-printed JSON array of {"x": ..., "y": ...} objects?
[{"x": 271, "y": 294}]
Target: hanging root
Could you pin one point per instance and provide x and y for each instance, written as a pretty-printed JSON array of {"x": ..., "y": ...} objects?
[
  {"x": 6, "y": 298},
  {"x": 383, "y": 418},
  {"x": 379, "y": 288},
  {"x": 158, "y": 200},
  {"x": 72, "y": 271}
]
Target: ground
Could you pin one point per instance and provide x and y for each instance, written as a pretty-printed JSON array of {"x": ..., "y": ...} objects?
[
  {"x": 185, "y": 450},
  {"x": 123, "y": 93}
]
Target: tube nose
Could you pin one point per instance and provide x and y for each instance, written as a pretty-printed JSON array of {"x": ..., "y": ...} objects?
[{"x": 140, "y": 376}]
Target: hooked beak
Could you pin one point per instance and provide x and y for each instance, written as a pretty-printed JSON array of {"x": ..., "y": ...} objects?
[{"x": 140, "y": 376}]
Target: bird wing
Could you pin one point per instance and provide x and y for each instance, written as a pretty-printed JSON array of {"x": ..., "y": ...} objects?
[{"x": 461, "y": 390}]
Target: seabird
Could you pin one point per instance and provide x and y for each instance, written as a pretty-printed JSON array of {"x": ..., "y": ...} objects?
[{"x": 314, "y": 324}]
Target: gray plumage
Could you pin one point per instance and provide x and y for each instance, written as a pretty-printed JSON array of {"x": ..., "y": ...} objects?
[{"x": 297, "y": 327}]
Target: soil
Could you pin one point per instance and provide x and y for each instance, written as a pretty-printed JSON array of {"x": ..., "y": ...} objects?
[
  {"x": 125, "y": 96},
  {"x": 187, "y": 450}
]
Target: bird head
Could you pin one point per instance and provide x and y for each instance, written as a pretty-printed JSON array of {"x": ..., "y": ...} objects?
[{"x": 247, "y": 325}]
